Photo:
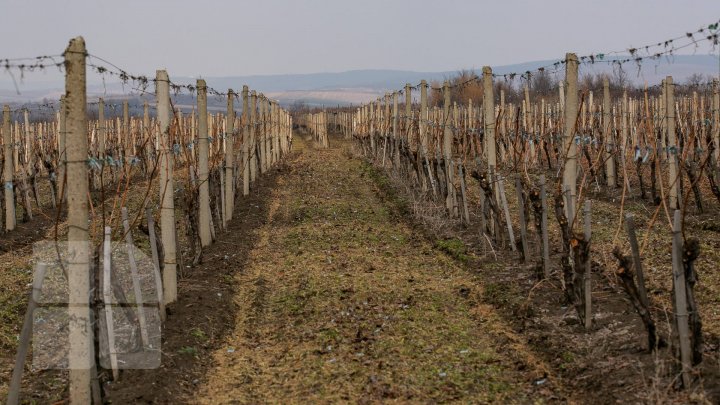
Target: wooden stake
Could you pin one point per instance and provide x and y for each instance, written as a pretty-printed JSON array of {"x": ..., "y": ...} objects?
[
  {"x": 508, "y": 220},
  {"x": 156, "y": 262},
  {"x": 681, "y": 315},
  {"x": 587, "y": 276},
  {"x": 523, "y": 224}
]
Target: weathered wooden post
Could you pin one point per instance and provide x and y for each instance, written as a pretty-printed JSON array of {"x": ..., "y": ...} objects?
[
  {"x": 156, "y": 261},
  {"x": 634, "y": 247},
  {"x": 167, "y": 185},
  {"x": 506, "y": 210},
  {"x": 10, "y": 220},
  {"x": 544, "y": 228},
  {"x": 607, "y": 135},
  {"x": 587, "y": 275},
  {"x": 25, "y": 335},
  {"x": 80, "y": 358},
  {"x": 521, "y": 210},
  {"x": 673, "y": 150},
  {"x": 569, "y": 146},
  {"x": 229, "y": 150}
]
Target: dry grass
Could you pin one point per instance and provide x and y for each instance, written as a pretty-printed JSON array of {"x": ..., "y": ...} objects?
[{"x": 343, "y": 301}]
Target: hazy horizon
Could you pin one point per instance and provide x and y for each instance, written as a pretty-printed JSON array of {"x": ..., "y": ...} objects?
[{"x": 230, "y": 39}]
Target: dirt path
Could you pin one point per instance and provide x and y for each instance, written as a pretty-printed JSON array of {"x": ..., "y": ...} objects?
[{"x": 322, "y": 292}]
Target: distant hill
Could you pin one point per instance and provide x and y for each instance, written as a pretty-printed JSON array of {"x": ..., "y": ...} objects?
[{"x": 358, "y": 86}]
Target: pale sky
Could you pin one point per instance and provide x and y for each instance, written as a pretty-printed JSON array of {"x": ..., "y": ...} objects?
[{"x": 237, "y": 37}]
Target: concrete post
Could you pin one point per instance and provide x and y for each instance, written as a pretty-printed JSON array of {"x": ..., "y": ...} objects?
[
  {"x": 10, "y": 220},
  {"x": 102, "y": 129},
  {"x": 624, "y": 126},
  {"x": 126, "y": 127},
  {"x": 263, "y": 133},
  {"x": 253, "y": 136},
  {"x": 276, "y": 132},
  {"x": 716, "y": 119},
  {"x": 265, "y": 138},
  {"x": 673, "y": 149},
  {"x": 408, "y": 114},
  {"x": 422, "y": 121},
  {"x": 447, "y": 150},
  {"x": 15, "y": 146},
  {"x": 146, "y": 120},
  {"x": 246, "y": 142},
  {"x": 229, "y": 150},
  {"x": 269, "y": 133},
  {"x": 28, "y": 158},
  {"x": 569, "y": 146},
  {"x": 166, "y": 186},
  {"x": 371, "y": 121},
  {"x": 204, "y": 209},
  {"x": 396, "y": 146},
  {"x": 273, "y": 130},
  {"x": 607, "y": 135},
  {"x": 526, "y": 109},
  {"x": 662, "y": 116},
  {"x": 62, "y": 157},
  {"x": 80, "y": 358},
  {"x": 489, "y": 117}
]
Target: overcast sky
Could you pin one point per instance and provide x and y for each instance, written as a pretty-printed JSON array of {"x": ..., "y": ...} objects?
[{"x": 235, "y": 37}]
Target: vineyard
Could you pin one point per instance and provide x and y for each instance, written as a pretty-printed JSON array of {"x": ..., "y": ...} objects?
[{"x": 448, "y": 242}]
